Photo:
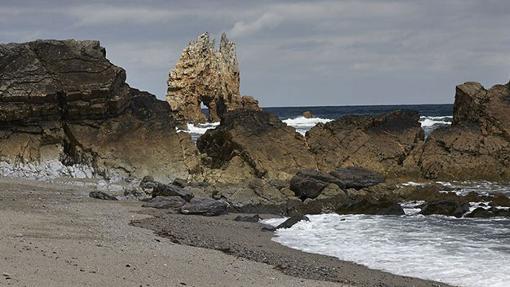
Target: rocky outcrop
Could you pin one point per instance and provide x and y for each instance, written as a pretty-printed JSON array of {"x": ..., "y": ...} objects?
[
  {"x": 63, "y": 104},
  {"x": 383, "y": 143},
  {"x": 204, "y": 75},
  {"x": 251, "y": 144},
  {"x": 477, "y": 145}
]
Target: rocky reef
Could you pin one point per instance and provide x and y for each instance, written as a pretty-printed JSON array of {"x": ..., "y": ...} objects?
[
  {"x": 204, "y": 75},
  {"x": 64, "y": 108}
]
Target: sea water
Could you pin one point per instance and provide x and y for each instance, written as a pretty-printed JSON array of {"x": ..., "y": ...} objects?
[
  {"x": 460, "y": 251},
  {"x": 431, "y": 116}
]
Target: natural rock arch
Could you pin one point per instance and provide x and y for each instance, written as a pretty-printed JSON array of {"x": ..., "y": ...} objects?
[{"x": 204, "y": 75}]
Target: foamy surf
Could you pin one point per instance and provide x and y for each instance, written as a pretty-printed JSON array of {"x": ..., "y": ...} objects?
[
  {"x": 461, "y": 252},
  {"x": 302, "y": 124},
  {"x": 430, "y": 123}
]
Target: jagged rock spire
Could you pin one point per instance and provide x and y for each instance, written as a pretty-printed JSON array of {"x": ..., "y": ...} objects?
[{"x": 209, "y": 76}]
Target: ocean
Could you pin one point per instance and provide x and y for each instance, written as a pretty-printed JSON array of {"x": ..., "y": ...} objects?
[
  {"x": 462, "y": 252},
  {"x": 432, "y": 116}
]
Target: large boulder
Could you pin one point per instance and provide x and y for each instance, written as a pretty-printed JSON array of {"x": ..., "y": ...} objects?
[
  {"x": 157, "y": 189},
  {"x": 477, "y": 145},
  {"x": 205, "y": 206},
  {"x": 383, "y": 143},
  {"x": 445, "y": 207},
  {"x": 207, "y": 76},
  {"x": 64, "y": 106},
  {"x": 254, "y": 144},
  {"x": 310, "y": 183}
]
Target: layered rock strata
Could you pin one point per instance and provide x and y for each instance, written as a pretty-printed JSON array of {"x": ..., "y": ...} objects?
[
  {"x": 64, "y": 103},
  {"x": 204, "y": 75}
]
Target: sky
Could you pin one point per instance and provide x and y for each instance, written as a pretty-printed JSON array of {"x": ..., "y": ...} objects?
[{"x": 293, "y": 53}]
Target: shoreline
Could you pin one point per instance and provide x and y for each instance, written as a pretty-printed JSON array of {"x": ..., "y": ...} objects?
[
  {"x": 53, "y": 234},
  {"x": 247, "y": 240}
]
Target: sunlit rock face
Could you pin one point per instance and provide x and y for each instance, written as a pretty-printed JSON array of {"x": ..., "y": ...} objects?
[{"x": 204, "y": 75}]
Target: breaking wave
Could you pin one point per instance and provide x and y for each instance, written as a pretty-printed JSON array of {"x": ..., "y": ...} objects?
[{"x": 461, "y": 252}]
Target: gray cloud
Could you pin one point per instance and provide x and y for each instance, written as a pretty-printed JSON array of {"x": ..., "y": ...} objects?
[{"x": 324, "y": 52}]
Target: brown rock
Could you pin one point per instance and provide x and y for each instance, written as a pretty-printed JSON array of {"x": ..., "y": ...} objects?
[
  {"x": 477, "y": 145},
  {"x": 63, "y": 101},
  {"x": 265, "y": 145},
  {"x": 379, "y": 143},
  {"x": 204, "y": 75}
]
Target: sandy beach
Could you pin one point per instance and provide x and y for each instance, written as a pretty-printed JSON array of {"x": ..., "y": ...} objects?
[{"x": 55, "y": 235}]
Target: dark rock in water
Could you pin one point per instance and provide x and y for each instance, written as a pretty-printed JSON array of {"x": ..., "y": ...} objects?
[
  {"x": 480, "y": 213},
  {"x": 165, "y": 202},
  {"x": 159, "y": 189},
  {"x": 288, "y": 223},
  {"x": 101, "y": 195},
  {"x": 310, "y": 183},
  {"x": 385, "y": 143},
  {"x": 307, "y": 115},
  {"x": 328, "y": 201},
  {"x": 488, "y": 213},
  {"x": 205, "y": 206},
  {"x": 445, "y": 207},
  {"x": 500, "y": 199},
  {"x": 355, "y": 177},
  {"x": 254, "y": 144},
  {"x": 371, "y": 206},
  {"x": 247, "y": 218}
]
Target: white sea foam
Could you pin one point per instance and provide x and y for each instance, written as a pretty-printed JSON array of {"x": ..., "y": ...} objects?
[
  {"x": 430, "y": 123},
  {"x": 462, "y": 252},
  {"x": 480, "y": 187},
  {"x": 197, "y": 130},
  {"x": 302, "y": 124}
]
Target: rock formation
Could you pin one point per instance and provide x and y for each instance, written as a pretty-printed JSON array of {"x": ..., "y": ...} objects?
[
  {"x": 383, "y": 143},
  {"x": 255, "y": 144},
  {"x": 477, "y": 145},
  {"x": 207, "y": 76},
  {"x": 64, "y": 103}
]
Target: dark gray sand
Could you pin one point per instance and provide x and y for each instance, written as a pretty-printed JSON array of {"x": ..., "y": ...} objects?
[{"x": 246, "y": 240}]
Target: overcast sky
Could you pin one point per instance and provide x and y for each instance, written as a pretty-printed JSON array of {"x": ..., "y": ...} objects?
[{"x": 293, "y": 53}]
